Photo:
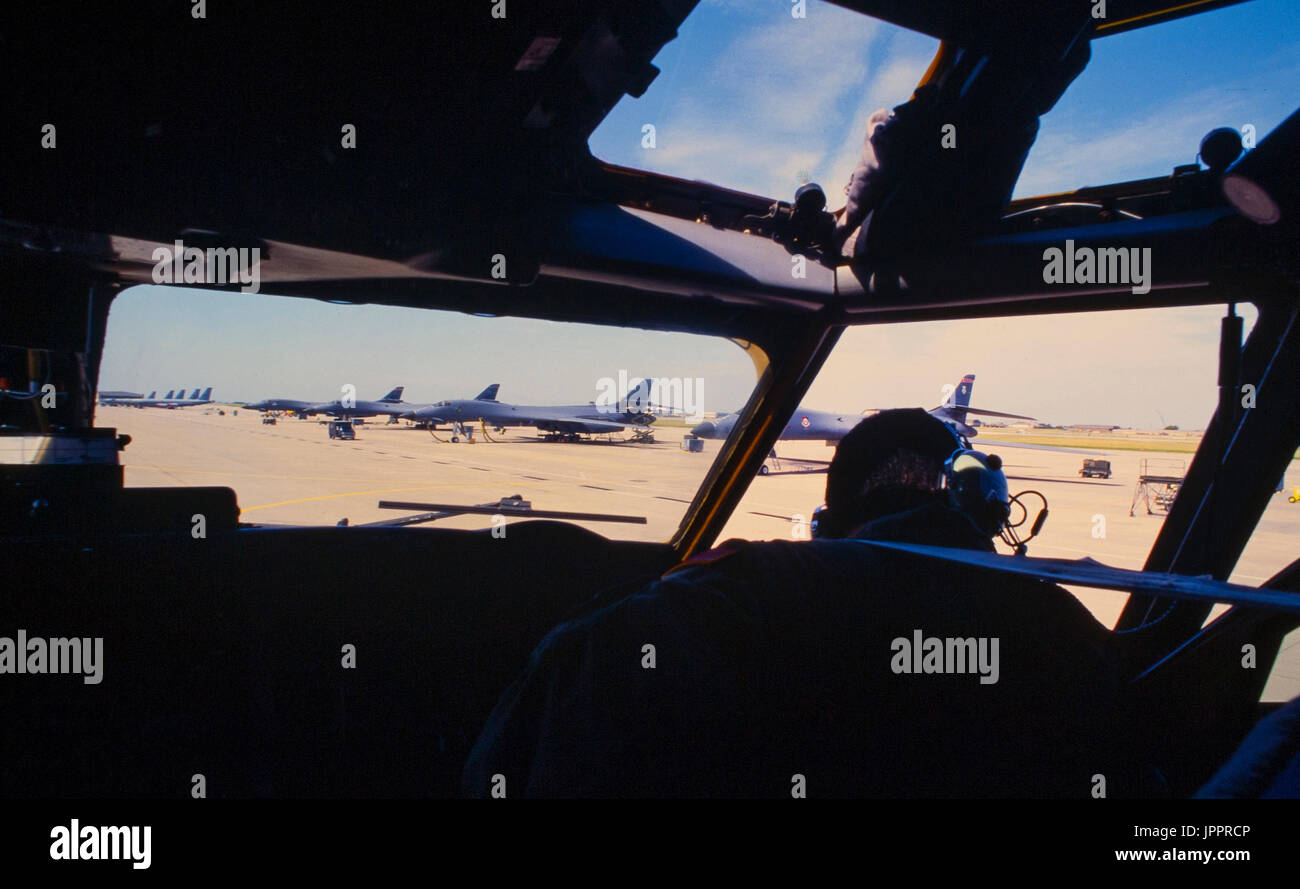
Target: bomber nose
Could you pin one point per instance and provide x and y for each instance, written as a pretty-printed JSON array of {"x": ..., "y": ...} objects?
[{"x": 704, "y": 430}]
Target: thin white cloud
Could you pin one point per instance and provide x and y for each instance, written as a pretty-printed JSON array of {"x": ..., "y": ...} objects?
[{"x": 771, "y": 106}]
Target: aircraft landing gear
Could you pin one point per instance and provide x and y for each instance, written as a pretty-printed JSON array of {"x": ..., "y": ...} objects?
[
  {"x": 775, "y": 462},
  {"x": 458, "y": 429}
]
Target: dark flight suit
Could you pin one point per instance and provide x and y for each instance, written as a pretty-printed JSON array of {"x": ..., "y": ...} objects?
[
  {"x": 1267, "y": 765},
  {"x": 778, "y": 659}
]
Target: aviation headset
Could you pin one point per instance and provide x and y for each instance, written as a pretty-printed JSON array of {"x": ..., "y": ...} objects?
[{"x": 974, "y": 484}]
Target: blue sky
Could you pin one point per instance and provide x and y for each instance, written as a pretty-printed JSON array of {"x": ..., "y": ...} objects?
[{"x": 752, "y": 99}]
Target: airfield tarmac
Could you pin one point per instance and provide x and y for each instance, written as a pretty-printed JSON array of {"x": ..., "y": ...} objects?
[{"x": 292, "y": 473}]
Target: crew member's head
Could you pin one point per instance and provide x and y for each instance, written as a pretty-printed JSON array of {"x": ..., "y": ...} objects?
[
  {"x": 891, "y": 462},
  {"x": 898, "y": 460}
]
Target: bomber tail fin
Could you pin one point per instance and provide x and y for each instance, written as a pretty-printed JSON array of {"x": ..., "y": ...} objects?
[
  {"x": 961, "y": 397},
  {"x": 958, "y": 405},
  {"x": 954, "y": 409},
  {"x": 637, "y": 400},
  {"x": 959, "y": 401}
]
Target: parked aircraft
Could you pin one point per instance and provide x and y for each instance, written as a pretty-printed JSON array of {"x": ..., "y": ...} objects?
[
  {"x": 128, "y": 399},
  {"x": 813, "y": 425},
  {"x": 561, "y": 422},
  {"x": 292, "y": 405},
  {"x": 390, "y": 405}
]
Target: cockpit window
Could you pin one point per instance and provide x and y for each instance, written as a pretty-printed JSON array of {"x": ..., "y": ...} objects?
[
  {"x": 1149, "y": 96},
  {"x": 318, "y": 412},
  {"x": 1108, "y": 410},
  {"x": 754, "y": 97}
]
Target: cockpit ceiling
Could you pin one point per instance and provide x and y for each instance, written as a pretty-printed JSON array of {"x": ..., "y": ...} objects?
[{"x": 234, "y": 123}]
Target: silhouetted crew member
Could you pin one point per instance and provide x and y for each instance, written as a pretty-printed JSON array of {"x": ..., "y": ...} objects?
[{"x": 778, "y": 668}]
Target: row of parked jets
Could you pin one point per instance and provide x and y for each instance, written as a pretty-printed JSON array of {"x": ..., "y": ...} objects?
[
  {"x": 173, "y": 399},
  {"x": 565, "y": 422}
]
